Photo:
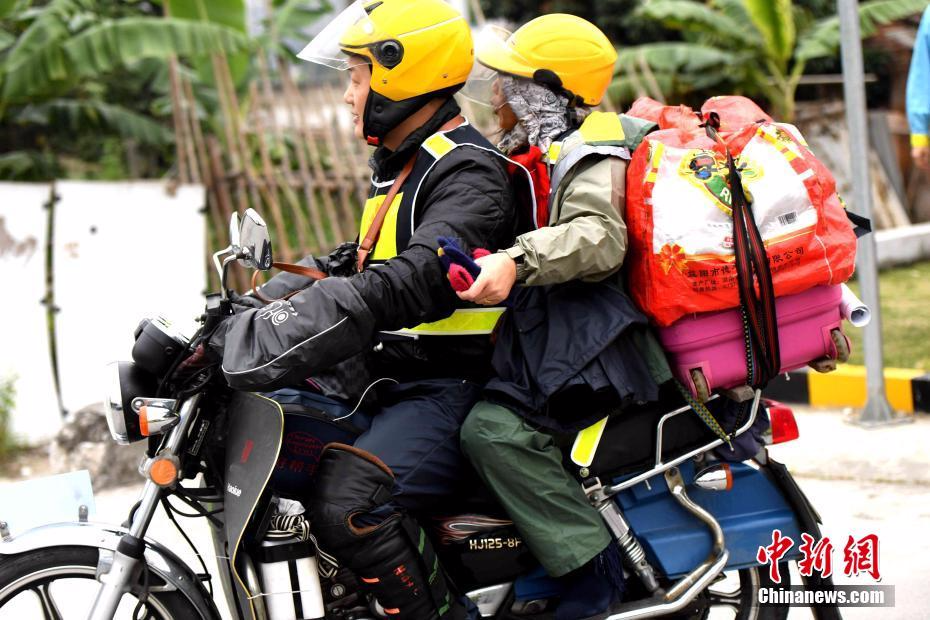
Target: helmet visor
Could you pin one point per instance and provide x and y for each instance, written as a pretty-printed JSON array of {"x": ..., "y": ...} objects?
[
  {"x": 351, "y": 28},
  {"x": 480, "y": 86}
]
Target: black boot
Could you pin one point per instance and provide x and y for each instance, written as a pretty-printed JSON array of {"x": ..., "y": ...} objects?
[
  {"x": 592, "y": 589},
  {"x": 389, "y": 553}
]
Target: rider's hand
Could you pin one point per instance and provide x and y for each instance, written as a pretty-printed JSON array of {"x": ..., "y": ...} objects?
[
  {"x": 245, "y": 301},
  {"x": 497, "y": 277},
  {"x": 198, "y": 360},
  {"x": 921, "y": 156}
]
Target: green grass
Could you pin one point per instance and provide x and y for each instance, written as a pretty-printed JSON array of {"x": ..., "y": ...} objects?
[{"x": 905, "y": 315}]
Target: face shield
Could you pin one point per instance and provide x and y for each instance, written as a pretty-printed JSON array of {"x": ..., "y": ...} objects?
[
  {"x": 483, "y": 86},
  {"x": 352, "y": 30}
]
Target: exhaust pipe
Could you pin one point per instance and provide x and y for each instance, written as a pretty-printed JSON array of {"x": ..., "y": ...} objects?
[{"x": 688, "y": 587}]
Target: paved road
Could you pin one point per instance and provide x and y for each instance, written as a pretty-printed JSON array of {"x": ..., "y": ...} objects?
[
  {"x": 870, "y": 481},
  {"x": 861, "y": 481}
]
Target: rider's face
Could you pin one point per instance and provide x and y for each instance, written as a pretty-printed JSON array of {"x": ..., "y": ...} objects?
[
  {"x": 357, "y": 94},
  {"x": 506, "y": 119}
]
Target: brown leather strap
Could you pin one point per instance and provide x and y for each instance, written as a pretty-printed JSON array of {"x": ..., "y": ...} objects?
[
  {"x": 300, "y": 270},
  {"x": 374, "y": 230}
]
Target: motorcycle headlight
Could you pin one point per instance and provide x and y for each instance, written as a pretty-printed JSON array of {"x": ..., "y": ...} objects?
[{"x": 127, "y": 381}]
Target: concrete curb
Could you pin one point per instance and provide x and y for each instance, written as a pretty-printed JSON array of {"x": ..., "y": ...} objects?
[
  {"x": 902, "y": 246},
  {"x": 908, "y": 390}
]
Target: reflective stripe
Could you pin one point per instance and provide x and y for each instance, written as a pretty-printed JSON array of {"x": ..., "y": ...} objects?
[
  {"x": 438, "y": 145},
  {"x": 586, "y": 443},
  {"x": 555, "y": 149},
  {"x": 658, "y": 150},
  {"x": 602, "y": 128},
  {"x": 464, "y": 322},
  {"x": 386, "y": 245}
]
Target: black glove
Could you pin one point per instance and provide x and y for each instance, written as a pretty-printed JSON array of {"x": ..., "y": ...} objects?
[{"x": 244, "y": 301}]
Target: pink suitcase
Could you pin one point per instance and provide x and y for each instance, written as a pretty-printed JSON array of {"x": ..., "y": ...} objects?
[{"x": 709, "y": 348}]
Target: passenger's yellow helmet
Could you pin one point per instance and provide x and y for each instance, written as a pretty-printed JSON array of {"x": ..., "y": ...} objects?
[
  {"x": 418, "y": 49},
  {"x": 561, "y": 51}
]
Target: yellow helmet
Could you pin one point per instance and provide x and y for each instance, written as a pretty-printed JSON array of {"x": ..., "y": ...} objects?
[
  {"x": 418, "y": 49},
  {"x": 561, "y": 51}
]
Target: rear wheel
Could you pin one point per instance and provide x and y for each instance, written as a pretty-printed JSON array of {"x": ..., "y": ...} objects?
[
  {"x": 735, "y": 594},
  {"x": 60, "y": 583}
]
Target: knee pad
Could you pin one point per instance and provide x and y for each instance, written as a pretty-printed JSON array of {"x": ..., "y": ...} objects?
[
  {"x": 349, "y": 483},
  {"x": 392, "y": 557}
]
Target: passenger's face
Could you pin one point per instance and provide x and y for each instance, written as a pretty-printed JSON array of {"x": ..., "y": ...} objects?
[
  {"x": 357, "y": 94},
  {"x": 506, "y": 119}
]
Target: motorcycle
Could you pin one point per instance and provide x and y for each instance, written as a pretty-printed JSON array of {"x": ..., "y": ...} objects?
[{"x": 688, "y": 521}]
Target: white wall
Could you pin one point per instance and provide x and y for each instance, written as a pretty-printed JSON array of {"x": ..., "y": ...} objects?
[
  {"x": 122, "y": 251},
  {"x": 24, "y": 347}
]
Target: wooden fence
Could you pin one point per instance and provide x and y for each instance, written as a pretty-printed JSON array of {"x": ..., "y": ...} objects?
[
  {"x": 284, "y": 149},
  {"x": 281, "y": 150}
]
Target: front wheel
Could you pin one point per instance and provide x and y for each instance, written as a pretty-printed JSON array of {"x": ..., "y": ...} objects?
[{"x": 60, "y": 583}]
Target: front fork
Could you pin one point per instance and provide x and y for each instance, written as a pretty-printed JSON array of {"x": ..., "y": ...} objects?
[{"x": 118, "y": 578}]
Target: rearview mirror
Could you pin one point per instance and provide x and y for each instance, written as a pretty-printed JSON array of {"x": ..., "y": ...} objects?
[
  {"x": 254, "y": 242},
  {"x": 234, "y": 232}
]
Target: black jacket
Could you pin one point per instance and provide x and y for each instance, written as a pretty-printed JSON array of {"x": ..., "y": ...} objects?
[
  {"x": 569, "y": 354},
  {"x": 466, "y": 196}
]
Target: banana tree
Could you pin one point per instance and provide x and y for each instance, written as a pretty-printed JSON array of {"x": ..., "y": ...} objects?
[
  {"x": 755, "y": 47},
  {"x": 73, "y": 66}
]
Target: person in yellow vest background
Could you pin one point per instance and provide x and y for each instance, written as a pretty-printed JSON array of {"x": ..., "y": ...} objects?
[
  {"x": 573, "y": 349},
  {"x": 434, "y": 176}
]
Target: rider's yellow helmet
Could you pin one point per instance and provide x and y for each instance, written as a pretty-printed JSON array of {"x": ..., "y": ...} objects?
[
  {"x": 561, "y": 51},
  {"x": 418, "y": 50}
]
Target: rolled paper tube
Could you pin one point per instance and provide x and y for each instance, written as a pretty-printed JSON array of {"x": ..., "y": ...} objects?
[{"x": 853, "y": 309}]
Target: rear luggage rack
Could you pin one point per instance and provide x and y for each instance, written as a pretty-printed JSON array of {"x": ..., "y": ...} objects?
[{"x": 662, "y": 467}]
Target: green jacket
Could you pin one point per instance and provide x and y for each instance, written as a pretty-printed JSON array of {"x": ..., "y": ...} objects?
[{"x": 587, "y": 237}]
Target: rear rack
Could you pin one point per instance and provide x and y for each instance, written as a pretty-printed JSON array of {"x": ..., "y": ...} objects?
[{"x": 662, "y": 467}]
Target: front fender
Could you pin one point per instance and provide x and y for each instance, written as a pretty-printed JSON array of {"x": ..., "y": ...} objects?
[{"x": 161, "y": 561}]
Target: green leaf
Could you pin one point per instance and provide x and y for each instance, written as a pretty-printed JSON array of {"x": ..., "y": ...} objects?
[
  {"x": 24, "y": 165},
  {"x": 676, "y": 57},
  {"x": 46, "y": 31},
  {"x": 693, "y": 16},
  {"x": 6, "y": 40},
  {"x": 774, "y": 19},
  {"x": 626, "y": 88},
  {"x": 9, "y": 8},
  {"x": 734, "y": 9},
  {"x": 294, "y": 15},
  {"x": 823, "y": 39},
  {"x": 229, "y": 13},
  {"x": 44, "y": 73},
  {"x": 113, "y": 43},
  {"x": 82, "y": 114},
  {"x": 109, "y": 44}
]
